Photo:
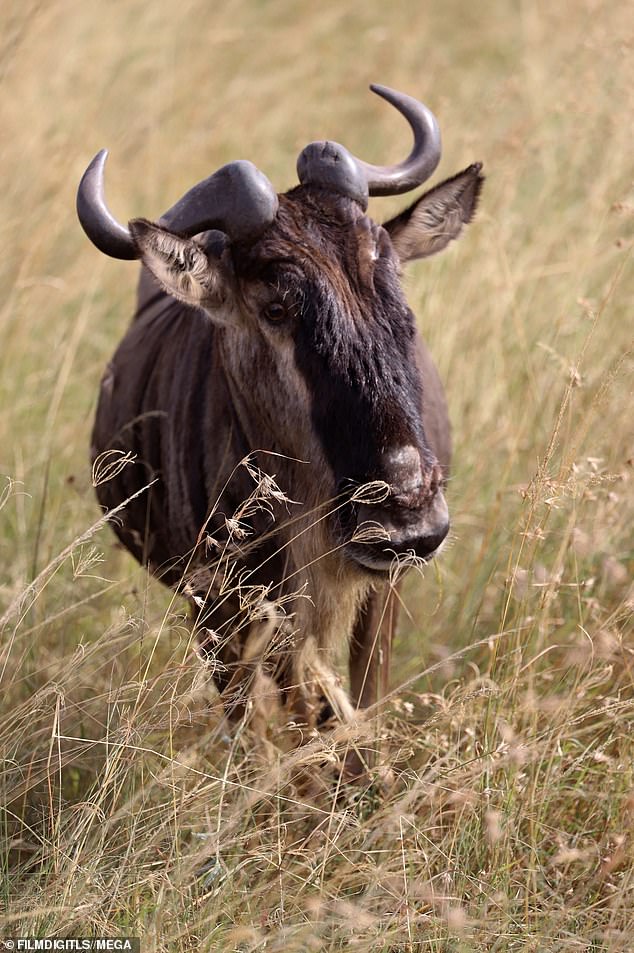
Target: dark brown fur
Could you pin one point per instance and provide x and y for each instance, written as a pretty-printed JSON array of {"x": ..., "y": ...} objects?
[{"x": 303, "y": 360}]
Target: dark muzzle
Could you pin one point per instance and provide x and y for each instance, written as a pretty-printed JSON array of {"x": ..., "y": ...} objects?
[{"x": 412, "y": 519}]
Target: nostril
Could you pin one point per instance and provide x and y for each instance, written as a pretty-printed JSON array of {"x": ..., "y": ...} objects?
[{"x": 433, "y": 540}]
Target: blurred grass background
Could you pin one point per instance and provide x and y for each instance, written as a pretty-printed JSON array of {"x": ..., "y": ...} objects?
[{"x": 502, "y": 811}]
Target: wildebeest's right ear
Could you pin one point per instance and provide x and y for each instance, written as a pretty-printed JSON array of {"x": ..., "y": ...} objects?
[
  {"x": 179, "y": 264},
  {"x": 438, "y": 216}
]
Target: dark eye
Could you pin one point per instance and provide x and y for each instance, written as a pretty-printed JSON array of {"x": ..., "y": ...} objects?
[{"x": 274, "y": 312}]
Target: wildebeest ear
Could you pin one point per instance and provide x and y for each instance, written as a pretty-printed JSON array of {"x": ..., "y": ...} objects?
[
  {"x": 179, "y": 264},
  {"x": 438, "y": 216}
]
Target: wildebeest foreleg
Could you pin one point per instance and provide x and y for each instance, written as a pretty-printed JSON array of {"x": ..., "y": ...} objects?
[
  {"x": 371, "y": 645},
  {"x": 369, "y": 661}
]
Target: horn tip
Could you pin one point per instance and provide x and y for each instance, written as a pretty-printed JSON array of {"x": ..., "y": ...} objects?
[
  {"x": 381, "y": 90},
  {"x": 99, "y": 159}
]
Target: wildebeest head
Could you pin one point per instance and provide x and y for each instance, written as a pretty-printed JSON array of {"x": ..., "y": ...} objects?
[{"x": 318, "y": 343}]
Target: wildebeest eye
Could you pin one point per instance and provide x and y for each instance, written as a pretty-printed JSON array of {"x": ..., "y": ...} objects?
[{"x": 274, "y": 312}]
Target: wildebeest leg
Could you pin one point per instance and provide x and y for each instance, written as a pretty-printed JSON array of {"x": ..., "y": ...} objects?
[
  {"x": 369, "y": 660},
  {"x": 241, "y": 654},
  {"x": 371, "y": 645},
  {"x": 222, "y": 657}
]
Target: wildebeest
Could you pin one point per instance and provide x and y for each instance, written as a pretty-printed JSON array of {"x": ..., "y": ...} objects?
[{"x": 274, "y": 391}]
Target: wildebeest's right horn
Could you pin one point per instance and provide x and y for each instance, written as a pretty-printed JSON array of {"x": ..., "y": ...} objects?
[
  {"x": 331, "y": 165},
  {"x": 238, "y": 199},
  {"x": 97, "y": 221}
]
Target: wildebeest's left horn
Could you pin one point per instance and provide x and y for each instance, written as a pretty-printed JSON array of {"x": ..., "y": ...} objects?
[
  {"x": 238, "y": 199},
  {"x": 332, "y": 166}
]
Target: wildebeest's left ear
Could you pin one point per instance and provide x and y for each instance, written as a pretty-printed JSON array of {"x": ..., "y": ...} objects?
[
  {"x": 438, "y": 216},
  {"x": 179, "y": 264}
]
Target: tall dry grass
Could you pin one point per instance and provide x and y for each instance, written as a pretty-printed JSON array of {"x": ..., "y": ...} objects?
[{"x": 502, "y": 806}]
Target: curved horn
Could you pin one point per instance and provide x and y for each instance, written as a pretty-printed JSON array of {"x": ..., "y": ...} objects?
[
  {"x": 425, "y": 154},
  {"x": 238, "y": 199},
  {"x": 97, "y": 221},
  {"x": 331, "y": 165}
]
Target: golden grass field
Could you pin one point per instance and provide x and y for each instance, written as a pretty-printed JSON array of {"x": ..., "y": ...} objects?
[{"x": 501, "y": 813}]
